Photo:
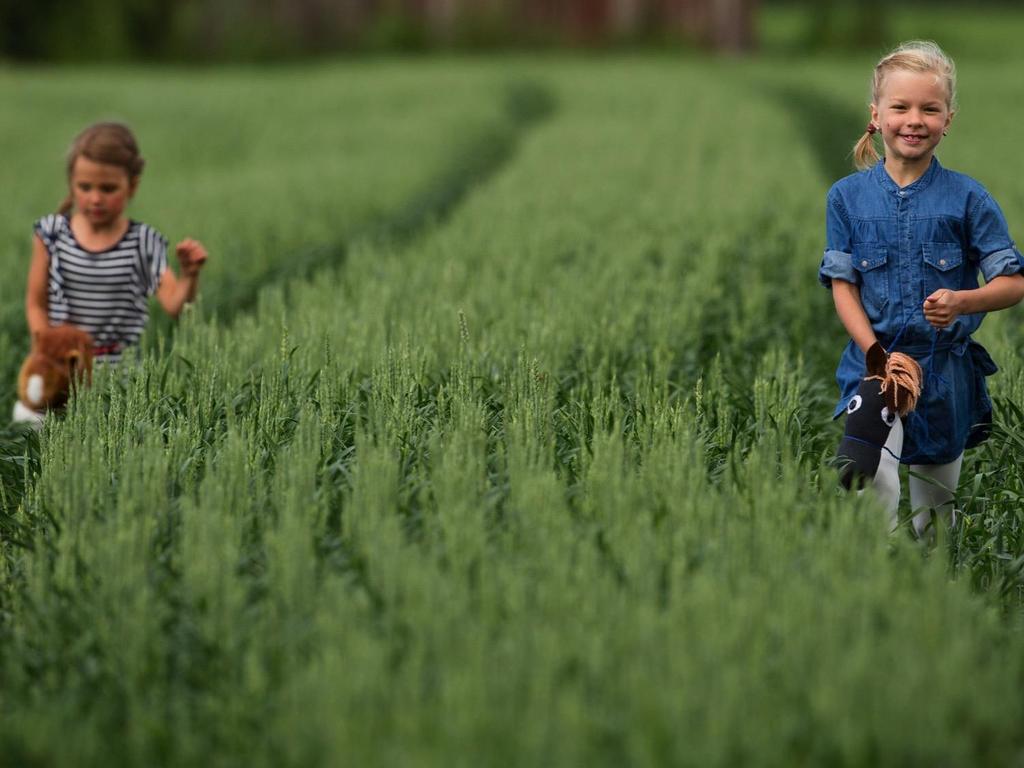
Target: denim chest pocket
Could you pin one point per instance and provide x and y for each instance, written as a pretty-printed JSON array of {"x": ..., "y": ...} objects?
[
  {"x": 869, "y": 259},
  {"x": 943, "y": 266}
]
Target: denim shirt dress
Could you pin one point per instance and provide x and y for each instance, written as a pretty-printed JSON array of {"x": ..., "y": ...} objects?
[{"x": 899, "y": 245}]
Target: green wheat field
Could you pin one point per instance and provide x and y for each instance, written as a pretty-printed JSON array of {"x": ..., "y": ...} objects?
[{"x": 499, "y": 437}]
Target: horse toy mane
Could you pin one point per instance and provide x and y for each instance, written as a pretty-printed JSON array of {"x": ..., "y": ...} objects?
[
  {"x": 873, "y": 440},
  {"x": 900, "y": 375},
  {"x": 60, "y": 357}
]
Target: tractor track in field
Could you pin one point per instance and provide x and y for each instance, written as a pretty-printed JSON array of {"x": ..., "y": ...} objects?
[
  {"x": 527, "y": 103},
  {"x": 827, "y": 123}
]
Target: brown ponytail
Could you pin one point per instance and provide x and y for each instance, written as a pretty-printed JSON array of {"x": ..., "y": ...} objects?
[
  {"x": 109, "y": 143},
  {"x": 67, "y": 205}
]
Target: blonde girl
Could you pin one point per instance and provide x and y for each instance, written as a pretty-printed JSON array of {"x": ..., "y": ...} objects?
[{"x": 905, "y": 242}]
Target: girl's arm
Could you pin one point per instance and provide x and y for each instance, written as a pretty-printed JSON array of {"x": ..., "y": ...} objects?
[
  {"x": 36, "y": 297},
  {"x": 945, "y": 305},
  {"x": 173, "y": 292},
  {"x": 851, "y": 312}
]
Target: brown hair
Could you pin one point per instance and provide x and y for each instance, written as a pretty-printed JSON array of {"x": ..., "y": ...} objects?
[
  {"x": 915, "y": 56},
  {"x": 110, "y": 143}
]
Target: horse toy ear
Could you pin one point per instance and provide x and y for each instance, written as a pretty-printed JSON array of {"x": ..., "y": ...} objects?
[{"x": 876, "y": 359}]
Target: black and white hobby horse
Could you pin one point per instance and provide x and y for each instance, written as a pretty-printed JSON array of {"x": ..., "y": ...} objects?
[{"x": 871, "y": 445}]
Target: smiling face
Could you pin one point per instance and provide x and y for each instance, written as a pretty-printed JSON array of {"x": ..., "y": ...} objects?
[
  {"x": 912, "y": 111},
  {"x": 101, "y": 191}
]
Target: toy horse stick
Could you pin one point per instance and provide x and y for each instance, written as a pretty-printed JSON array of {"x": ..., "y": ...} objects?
[{"x": 873, "y": 441}]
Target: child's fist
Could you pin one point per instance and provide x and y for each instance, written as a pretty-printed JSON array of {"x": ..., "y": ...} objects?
[
  {"x": 942, "y": 308},
  {"x": 191, "y": 256}
]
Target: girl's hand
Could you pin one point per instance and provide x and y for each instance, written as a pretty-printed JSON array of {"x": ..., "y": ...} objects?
[
  {"x": 942, "y": 308},
  {"x": 191, "y": 255}
]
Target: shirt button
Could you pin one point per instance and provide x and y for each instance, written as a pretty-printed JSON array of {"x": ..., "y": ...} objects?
[
  {"x": 864, "y": 263},
  {"x": 942, "y": 262},
  {"x": 902, "y": 193}
]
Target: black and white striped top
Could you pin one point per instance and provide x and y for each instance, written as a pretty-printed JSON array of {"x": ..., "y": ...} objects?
[{"x": 104, "y": 292}]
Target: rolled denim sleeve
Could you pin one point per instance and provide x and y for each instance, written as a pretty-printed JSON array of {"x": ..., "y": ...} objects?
[
  {"x": 989, "y": 240},
  {"x": 837, "y": 263}
]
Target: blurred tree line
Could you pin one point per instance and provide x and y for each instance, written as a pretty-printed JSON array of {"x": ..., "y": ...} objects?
[
  {"x": 77, "y": 30},
  {"x": 213, "y": 30}
]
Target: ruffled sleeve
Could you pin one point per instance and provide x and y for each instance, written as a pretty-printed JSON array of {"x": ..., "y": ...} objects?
[
  {"x": 153, "y": 257},
  {"x": 47, "y": 228}
]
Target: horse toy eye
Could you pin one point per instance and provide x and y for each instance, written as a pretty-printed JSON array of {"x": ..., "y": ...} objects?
[
  {"x": 855, "y": 404},
  {"x": 889, "y": 417}
]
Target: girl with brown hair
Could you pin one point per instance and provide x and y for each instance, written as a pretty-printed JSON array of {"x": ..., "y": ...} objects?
[{"x": 95, "y": 268}]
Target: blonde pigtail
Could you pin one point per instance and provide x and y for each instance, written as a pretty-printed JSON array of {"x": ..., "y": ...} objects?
[{"x": 865, "y": 153}]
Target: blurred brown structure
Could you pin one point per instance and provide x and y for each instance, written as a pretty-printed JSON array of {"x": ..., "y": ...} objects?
[
  {"x": 58, "y": 30},
  {"x": 715, "y": 24},
  {"x": 718, "y": 24}
]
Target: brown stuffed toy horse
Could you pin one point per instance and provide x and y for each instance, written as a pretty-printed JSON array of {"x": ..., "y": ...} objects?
[{"x": 59, "y": 356}]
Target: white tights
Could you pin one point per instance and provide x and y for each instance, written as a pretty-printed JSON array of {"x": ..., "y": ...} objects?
[{"x": 933, "y": 490}]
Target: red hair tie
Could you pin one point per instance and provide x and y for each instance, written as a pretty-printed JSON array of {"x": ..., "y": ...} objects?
[{"x": 872, "y": 128}]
